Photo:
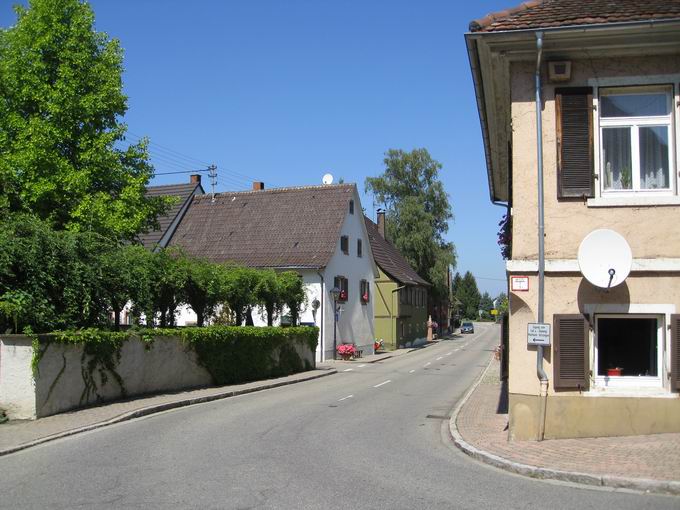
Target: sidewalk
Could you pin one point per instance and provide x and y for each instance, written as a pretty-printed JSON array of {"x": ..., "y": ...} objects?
[
  {"x": 18, "y": 435},
  {"x": 379, "y": 356},
  {"x": 646, "y": 463}
]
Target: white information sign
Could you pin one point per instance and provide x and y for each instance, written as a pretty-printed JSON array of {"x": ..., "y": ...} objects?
[
  {"x": 538, "y": 334},
  {"x": 519, "y": 283}
]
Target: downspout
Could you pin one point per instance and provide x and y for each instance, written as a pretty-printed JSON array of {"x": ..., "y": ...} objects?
[
  {"x": 323, "y": 318},
  {"x": 392, "y": 320},
  {"x": 540, "y": 372}
]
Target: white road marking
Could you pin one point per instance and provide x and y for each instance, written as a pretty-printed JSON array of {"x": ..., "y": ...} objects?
[
  {"x": 348, "y": 370},
  {"x": 345, "y": 398},
  {"x": 361, "y": 366},
  {"x": 440, "y": 357},
  {"x": 428, "y": 363},
  {"x": 384, "y": 382},
  {"x": 411, "y": 371},
  {"x": 449, "y": 353}
]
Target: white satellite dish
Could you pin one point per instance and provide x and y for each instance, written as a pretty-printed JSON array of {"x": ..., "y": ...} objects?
[
  {"x": 604, "y": 258},
  {"x": 327, "y": 179}
]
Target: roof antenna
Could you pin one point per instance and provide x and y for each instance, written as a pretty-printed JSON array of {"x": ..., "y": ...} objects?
[{"x": 212, "y": 173}]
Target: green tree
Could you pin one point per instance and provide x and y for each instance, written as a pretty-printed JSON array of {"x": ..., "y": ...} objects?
[
  {"x": 203, "y": 286},
  {"x": 166, "y": 291},
  {"x": 61, "y": 137},
  {"x": 417, "y": 213},
  {"x": 486, "y": 305},
  {"x": 468, "y": 295},
  {"x": 502, "y": 303},
  {"x": 292, "y": 294},
  {"x": 268, "y": 294},
  {"x": 239, "y": 290}
]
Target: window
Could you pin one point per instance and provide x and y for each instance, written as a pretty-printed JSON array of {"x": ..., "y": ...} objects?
[
  {"x": 628, "y": 350},
  {"x": 359, "y": 248},
  {"x": 341, "y": 283},
  {"x": 636, "y": 142},
  {"x": 344, "y": 244},
  {"x": 351, "y": 206},
  {"x": 365, "y": 291}
]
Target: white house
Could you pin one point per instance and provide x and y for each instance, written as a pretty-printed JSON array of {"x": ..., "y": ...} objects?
[{"x": 318, "y": 231}]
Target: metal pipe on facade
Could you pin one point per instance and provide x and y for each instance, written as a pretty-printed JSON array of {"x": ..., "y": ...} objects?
[
  {"x": 323, "y": 318},
  {"x": 540, "y": 372}
]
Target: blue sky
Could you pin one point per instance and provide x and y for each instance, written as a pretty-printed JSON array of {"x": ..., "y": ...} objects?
[{"x": 285, "y": 91}]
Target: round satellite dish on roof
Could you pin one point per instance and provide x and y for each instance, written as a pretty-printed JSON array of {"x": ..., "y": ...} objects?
[
  {"x": 327, "y": 179},
  {"x": 604, "y": 258}
]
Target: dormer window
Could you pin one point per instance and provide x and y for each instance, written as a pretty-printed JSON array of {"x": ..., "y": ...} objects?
[{"x": 351, "y": 206}]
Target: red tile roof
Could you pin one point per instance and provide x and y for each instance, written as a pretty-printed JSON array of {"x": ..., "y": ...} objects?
[
  {"x": 281, "y": 227},
  {"x": 389, "y": 259},
  {"x": 538, "y": 14}
]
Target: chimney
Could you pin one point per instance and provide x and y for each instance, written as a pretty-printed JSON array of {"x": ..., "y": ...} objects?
[
  {"x": 381, "y": 222},
  {"x": 258, "y": 186},
  {"x": 195, "y": 179}
]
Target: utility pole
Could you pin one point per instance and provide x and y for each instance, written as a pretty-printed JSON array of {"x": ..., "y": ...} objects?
[{"x": 212, "y": 173}]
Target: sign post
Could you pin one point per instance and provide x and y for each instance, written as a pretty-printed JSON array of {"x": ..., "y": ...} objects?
[{"x": 538, "y": 334}]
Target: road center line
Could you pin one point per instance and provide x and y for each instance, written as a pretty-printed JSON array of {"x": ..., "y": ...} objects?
[
  {"x": 411, "y": 371},
  {"x": 440, "y": 357},
  {"x": 361, "y": 366},
  {"x": 348, "y": 370},
  {"x": 384, "y": 382},
  {"x": 345, "y": 398},
  {"x": 428, "y": 363},
  {"x": 449, "y": 353}
]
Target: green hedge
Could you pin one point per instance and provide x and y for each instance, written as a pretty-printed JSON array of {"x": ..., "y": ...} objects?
[{"x": 231, "y": 354}]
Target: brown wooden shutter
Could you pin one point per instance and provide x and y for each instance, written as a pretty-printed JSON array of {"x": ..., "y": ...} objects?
[
  {"x": 571, "y": 349},
  {"x": 675, "y": 352},
  {"x": 574, "y": 114}
]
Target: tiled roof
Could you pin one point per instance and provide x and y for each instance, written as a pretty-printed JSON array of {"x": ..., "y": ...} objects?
[
  {"x": 281, "y": 227},
  {"x": 563, "y": 13},
  {"x": 389, "y": 259},
  {"x": 183, "y": 192}
]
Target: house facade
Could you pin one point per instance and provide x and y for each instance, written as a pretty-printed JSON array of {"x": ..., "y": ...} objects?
[
  {"x": 317, "y": 231},
  {"x": 400, "y": 301},
  {"x": 586, "y": 94}
]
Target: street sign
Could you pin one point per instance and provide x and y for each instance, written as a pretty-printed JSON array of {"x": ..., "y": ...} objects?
[
  {"x": 494, "y": 312},
  {"x": 519, "y": 283},
  {"x": 538, "y": 334}
]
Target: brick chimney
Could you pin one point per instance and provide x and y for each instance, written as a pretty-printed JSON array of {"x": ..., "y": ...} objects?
[
  {"x": 381, "y": 222},
  {"x": 195, "y": 179},
  {"x": 258, "y": 186}
]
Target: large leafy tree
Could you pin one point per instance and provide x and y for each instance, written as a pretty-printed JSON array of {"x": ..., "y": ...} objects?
[
  {"x": 61, "y": 137},
  {"x": 417, "y": 213}
]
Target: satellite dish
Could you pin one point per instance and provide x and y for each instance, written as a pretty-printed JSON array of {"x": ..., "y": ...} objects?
[
  {"x": 604, "y": 258},
  {"x": 327, "y": 179}
]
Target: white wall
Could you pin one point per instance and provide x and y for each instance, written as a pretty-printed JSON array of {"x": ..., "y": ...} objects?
[
  {"x": 17, "y": 390},
  {"x": 356, "y": 319}
]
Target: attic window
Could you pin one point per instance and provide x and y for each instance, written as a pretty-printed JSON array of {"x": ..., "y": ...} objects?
[
  {"x": 344, "y": 244},
  {"x": 359, "y": 248},
  {"x": 351, "y": 206}
]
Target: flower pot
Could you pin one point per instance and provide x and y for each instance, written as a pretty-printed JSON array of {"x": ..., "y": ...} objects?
[
  {"x": 346, "y": 357},
  {"x": 614, "y": 372}
]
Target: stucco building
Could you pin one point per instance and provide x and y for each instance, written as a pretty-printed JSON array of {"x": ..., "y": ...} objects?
[{"x": 586, "y": 93}]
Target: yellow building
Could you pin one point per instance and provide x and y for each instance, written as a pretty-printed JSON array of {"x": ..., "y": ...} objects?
[
  {"x": 400, "y": 301},
  {"x": 580, "y": 121}
]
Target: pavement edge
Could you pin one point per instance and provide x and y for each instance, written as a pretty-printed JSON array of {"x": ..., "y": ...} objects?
[
  {"x": 159, "y": 408},
  {"x": 665, "y": 487}
]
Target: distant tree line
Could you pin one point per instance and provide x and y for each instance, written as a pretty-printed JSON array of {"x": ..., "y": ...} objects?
[{"x": 469, "y": 301}]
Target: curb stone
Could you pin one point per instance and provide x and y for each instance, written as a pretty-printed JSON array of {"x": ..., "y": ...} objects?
[
  {"x": 616, "y": 482},
  {"x": 159, "y": 408}
]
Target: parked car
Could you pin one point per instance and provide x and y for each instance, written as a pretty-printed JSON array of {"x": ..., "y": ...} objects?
[{"x": 467, "y": 327}]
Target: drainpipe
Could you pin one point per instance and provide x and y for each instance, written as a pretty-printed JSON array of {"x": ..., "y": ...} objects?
[
  {"x": 393, "y": 327},
  {"x": 540, "y": 372},
  {"x": 323, "y": 318}
]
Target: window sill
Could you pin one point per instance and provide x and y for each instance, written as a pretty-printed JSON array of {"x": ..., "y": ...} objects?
[
  {"x": 633, "y": 201},
  {"x": 659, "y": 392}
]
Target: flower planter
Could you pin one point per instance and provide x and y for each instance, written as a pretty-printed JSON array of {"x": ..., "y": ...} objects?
[{"x": 614, "y": 372}]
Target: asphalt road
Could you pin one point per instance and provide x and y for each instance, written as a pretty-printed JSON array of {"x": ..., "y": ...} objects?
[{"x": 371, "y": 437}]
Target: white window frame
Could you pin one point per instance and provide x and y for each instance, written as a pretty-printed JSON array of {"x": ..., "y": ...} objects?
[
  {"x": 636, "y": 386},
  {"x": 636, "y": 197}
]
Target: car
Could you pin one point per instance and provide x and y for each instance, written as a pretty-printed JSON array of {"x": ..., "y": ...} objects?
[{"x": 467, "y": 327}]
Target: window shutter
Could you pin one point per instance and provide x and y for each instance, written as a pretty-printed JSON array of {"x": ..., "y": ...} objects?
[
  {"x": 571, "y": 352},
  {"x": 574, "y": 114},
  {"x": 675, "y": 352}
]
